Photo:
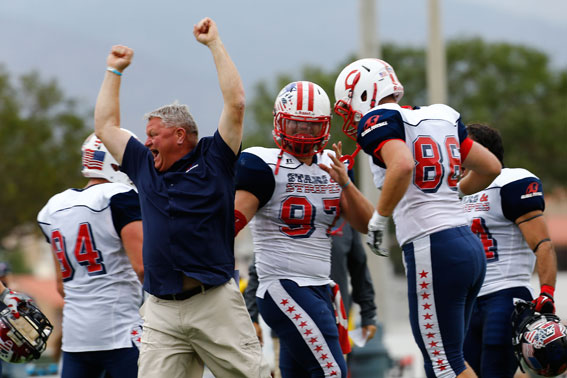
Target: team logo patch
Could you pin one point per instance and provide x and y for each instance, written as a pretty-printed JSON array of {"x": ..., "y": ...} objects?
[
  {"x": 372, "y": 123},
  {"x": 533, "y": 190}
]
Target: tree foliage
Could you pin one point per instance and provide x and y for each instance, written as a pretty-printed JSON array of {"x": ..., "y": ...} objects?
[
  {"x": 41, "y": 132},
  {"x": 510, "y": 87}
]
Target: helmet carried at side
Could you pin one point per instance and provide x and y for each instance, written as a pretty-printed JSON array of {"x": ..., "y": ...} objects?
[
  {"x": 23, "y": 338},
  {"x": 360, "y": 86},
  {"x": 97, "y": 162},
  {"x": 302, "y": 119},
  {"x": 540, "y": 340}
]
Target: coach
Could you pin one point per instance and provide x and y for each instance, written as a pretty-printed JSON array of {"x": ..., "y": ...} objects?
[{"x": 195, "y": 314}]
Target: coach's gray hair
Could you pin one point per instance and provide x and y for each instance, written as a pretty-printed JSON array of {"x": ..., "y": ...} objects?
[{"x": 175, "y": 115}]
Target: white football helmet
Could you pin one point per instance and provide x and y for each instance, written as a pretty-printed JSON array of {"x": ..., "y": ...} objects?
[
  {"x": 360, "y": 86},
  {"x": 302, "y": 102},
  {"x": 99, "y": 163}
]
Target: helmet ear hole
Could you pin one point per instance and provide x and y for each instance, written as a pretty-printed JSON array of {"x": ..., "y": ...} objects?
[{"x": 363, "y": 96}]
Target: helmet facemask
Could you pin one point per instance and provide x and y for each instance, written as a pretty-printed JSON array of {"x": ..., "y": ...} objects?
[{"x": 299, "y": 136}]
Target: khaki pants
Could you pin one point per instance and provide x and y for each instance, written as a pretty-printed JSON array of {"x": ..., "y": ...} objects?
[{"x": 212, "y": 328}]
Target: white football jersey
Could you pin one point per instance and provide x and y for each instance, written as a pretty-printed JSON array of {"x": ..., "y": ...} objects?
[
  {"x": 433, "y": 134},
  {"x": 510, "y": 261},
  {"x": 102, "y": 291},
  {"x": 291, "y": 230}
]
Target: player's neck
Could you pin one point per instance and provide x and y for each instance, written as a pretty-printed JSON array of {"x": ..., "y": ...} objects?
[{"x": 95, "y": 181}]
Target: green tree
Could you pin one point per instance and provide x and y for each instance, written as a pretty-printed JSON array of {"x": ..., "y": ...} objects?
[{"x": 41, "y": 132}]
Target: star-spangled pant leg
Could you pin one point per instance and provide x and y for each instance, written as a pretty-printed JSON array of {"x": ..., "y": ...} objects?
[
  {"x": 445, "y": 271},
  {"x": 304, "y": 320}
]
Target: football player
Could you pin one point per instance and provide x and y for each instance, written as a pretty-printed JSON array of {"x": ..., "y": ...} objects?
[
  {"x": 508, "y": 218},
  {"x": 96, "y": 238},
  {"x": 294, "y": 194},
  {"x": 422, "y": 149}
]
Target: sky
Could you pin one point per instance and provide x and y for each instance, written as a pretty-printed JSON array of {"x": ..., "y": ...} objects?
[{"x": 69, "y": 41}]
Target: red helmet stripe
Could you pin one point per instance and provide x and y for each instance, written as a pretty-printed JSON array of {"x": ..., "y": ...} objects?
[
  {"x": 299, "y": 95},
  {"x": 311, "y": 97}
]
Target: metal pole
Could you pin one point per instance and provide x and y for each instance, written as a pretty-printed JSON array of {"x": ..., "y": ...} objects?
[
  {"x": 436, "y": 60},
  {"x": 380, "y": 267}
]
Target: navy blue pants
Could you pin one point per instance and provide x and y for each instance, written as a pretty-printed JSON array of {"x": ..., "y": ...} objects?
[
  {"x": 445, "y": 271},
  {"x": 304, "y": 320},
  {"x": 488, "y": 345},
  {"x": 117, "y": 363}
]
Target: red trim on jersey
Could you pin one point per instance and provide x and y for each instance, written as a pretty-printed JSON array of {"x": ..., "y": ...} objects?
[
  {"x": 377, "y": 150},
  {"x": 239, "y": 221},
  {"x": 465, "y": 148},
  {"x": 300, "y": 96}
]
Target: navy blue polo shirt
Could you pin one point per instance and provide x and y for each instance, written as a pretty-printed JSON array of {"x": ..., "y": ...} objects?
[{"x": 187, "y": 214}]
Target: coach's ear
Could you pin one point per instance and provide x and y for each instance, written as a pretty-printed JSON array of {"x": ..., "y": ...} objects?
[{"x": 180, "y": 135}]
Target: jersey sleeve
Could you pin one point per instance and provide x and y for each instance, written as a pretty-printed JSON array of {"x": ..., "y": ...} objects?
[
  {"x": 377, "y": 127},
  {"x": 522, "y": 196},
  {"x": 255, "y": 176},
  {"x": 125, "y": 208}
]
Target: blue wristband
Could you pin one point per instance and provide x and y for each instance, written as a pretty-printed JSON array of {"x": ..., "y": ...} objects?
[
  {"x": 114, "y": 71},
  {"x": 345, "y": 185}
]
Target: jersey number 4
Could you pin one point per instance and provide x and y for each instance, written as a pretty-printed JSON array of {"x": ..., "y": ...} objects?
[
  {"x": 429, "y": 170},
  {"x": 85, "y": 253},
  {"x": 488, "y": 242}
]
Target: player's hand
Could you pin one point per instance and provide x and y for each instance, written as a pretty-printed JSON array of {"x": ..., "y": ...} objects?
[
  {"x": 13, "y": 299},
  {"x": 376, "y": 230},
  {"x": 206, "y": 31},
  {"x": 120, "y": 57},
  {"x": 544, "y": 304},
  {"x": 369, "y": 331},
  {"x": 258, "y": 329},
  {"x": 337, "y": 170}
]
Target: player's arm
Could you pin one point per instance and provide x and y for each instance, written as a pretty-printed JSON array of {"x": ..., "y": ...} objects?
[
  {"x": 245, "y": 207},
  {"x": 232, "y": 116},
  {"x": 255, "y": 185},
  {"x": 107, "y": 108},
  {"x": 132, "y": 240},
  {"x": 399, "y": 163},
  {"x": 483, "y": 167},
  {"x": 535, "y": 232}
]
